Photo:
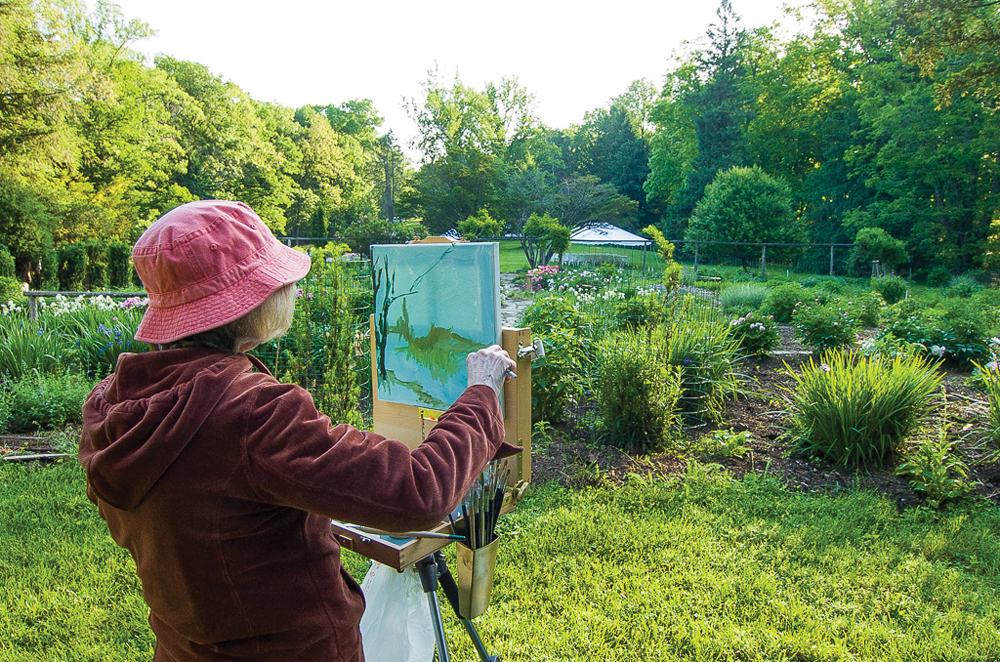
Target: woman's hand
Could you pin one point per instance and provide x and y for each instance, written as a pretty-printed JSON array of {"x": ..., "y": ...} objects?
[{"x": 489, "y": 366}]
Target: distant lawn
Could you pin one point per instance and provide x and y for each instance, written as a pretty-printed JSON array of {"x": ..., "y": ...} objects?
[{"x": 701, "y": 569}]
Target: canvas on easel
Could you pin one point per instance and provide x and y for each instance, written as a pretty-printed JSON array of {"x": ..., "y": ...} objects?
[{"x": 434, "y": 304}]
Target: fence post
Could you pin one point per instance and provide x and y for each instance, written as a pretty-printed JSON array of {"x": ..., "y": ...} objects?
[
  {"x": 32, "y": 308},
  {"x": 763, "y": 261},
  {"x": 696, "y": 258},
  {"x": 831, "y": 259}
]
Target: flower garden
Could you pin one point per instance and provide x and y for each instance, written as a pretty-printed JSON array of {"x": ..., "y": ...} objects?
[{"x": 726, "y": 468}]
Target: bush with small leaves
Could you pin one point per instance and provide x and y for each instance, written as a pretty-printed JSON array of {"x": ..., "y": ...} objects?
[
  {"x": 45, "y": 401},
  {"x": 824, "y": 326},
  {"x": 892, "y": 288},
  {"x": 637, "y": 389},
  {"x": 757, "y": 334},
  {"x": 781, "y": 301}
]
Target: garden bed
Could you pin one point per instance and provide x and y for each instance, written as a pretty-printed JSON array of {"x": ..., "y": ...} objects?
[{"x": 576, "y": 456}]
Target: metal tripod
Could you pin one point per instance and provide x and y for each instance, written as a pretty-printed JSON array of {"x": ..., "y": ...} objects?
[{"x": 433, "y": 569}]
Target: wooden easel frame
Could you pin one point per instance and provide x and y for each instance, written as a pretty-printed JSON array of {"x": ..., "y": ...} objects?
[{"x": 410, "y": 425}]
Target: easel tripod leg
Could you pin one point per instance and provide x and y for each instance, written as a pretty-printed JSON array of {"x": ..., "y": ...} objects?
[
  {"x": 429, "y": 582},
  {"x": 451, "y": 592}
]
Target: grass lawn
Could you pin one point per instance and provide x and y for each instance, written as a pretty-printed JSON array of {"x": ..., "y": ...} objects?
[{"x": 700, "y": 569}]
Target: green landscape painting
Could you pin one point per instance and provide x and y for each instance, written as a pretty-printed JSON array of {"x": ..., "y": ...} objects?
[{"x": 434, "y": 303}]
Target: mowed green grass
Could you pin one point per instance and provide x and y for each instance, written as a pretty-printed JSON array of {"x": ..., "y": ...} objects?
[{"x": 700, "y": 569}]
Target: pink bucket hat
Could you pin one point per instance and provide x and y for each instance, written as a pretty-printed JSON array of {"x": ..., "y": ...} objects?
[{"x": 207, "y": 263}]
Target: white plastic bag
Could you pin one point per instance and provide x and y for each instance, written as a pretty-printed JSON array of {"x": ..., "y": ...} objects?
[{"x": 396, "y": 625}]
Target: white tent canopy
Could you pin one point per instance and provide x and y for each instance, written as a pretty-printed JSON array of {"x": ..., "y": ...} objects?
[{"x": 605, "y": 233}]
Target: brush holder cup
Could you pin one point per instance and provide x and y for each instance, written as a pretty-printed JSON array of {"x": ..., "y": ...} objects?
[{"x": 475, "y": 578}]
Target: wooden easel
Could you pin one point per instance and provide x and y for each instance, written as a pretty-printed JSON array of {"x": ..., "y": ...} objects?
[{"x": 410, "y": 425}]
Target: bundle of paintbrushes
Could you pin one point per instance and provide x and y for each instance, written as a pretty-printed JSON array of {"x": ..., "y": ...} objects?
[{"x": 480, "y": 509}]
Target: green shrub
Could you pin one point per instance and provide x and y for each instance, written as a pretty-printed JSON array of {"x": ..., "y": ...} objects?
[
  {"x": 558, "y": 378},
  {"x": 10, "y": 290},
  {"x": 892, "y": 288},
  {"x": 637, "y": 389},
  {"x": 7, "y": 267},
  {"x": 97, "y": 264},
  {"x": 727, "y": 443},
  {"x": 4, "y": 407},
  {"x": 934, "y": 468},
  {"x": 852, "y": 409},
  {"x": 72, "y": 266},
  {"x": 747, "y": 296},
  {"x": 41, "y": 400},
  {"x": 119, "y": 265},
  {"x": 781, "y": 301},
  {"x": 638, "y": 311},
  {"x": 757, "y": 334},
  {"x": 962, "y": 287},
  {"x": 938, "y": 277},
  {"x": 824, "y": 326}
]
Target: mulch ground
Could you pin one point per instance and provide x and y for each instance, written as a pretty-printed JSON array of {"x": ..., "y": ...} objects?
[{"x": 577, "y": 456}]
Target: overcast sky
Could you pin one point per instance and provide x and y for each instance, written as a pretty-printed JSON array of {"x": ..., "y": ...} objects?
[{"x": 573, "y": 57}]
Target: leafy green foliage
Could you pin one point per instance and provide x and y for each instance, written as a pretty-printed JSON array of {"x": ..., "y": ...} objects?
[
  {"x": 824, "y": 326},
  {"x": 962, "y": 287},
  {"x": 892, "y": 288},
  {"x": 727, "y": 443},
  {"x": 637, "y": 389},
  {"x": 856, "y": 410},
  {"x": 542, "y": 237},
  {"x": 987, "y": 377},
  {"x": 757, "y": 335},
  {"x": 6, "y": 263},
  {"x": 934, "y": 468},
  {"x": 321, "y": 351},
  {"x": 877, "y": 252},
  {"x": 119, "y": 264},
  {"x": 558, "y": 378},
  {"x": 39, "y": 400},
  {"x": 361, "y": 235},
  {"x": 481, "y": 225},
  {"x": 781, "y": 301},
  {"x": 72, "y": 266},
  {"x": 10, "y": 290}
]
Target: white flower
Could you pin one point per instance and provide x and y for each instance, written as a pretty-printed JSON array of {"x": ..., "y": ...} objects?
[{"x": 938, "y": 350}]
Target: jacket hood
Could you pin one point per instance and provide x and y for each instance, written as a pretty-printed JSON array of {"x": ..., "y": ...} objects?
[{"x": 139, "y": 420}]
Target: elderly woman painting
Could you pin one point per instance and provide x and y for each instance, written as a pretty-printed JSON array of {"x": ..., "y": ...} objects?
[{"x": 221, "y": 481}]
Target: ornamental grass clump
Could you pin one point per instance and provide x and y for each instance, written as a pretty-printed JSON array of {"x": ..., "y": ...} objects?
[
  {"x": 637, "y": 389},
  {"x": 852, "y": 409},
  {"x": 743, "y": 297},
  {"x": 707, "y": 353}
]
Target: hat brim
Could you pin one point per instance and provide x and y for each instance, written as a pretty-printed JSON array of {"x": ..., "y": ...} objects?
[{"x": 164, "y": 325}]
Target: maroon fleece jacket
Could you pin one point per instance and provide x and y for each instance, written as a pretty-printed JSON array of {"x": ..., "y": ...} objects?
[{"x": 221, "y": 482}]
